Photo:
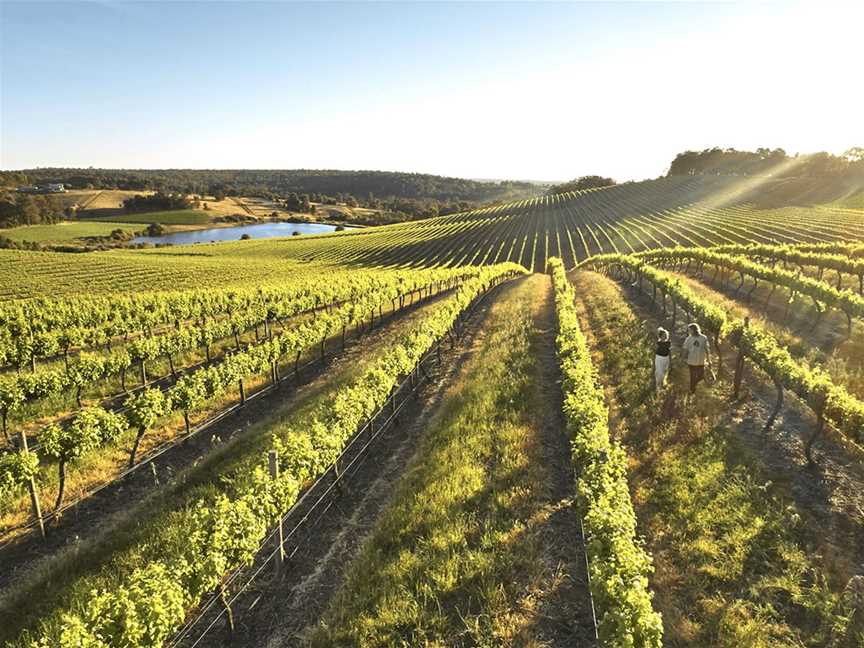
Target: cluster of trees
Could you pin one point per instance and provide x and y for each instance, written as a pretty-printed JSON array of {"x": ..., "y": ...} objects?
[
  {"x": 299, "y": 203},
  {"x": 157, "y": 202},
  {"x": 412, "y": 209},
  {"x": 762, "y": 161},
  {"x": 583, "y": 182},
  {"x": 390, "y": 210},
  {"x": 13, "y": 179},
  {"x": 274, "y": 183},
  {"x": 28, "y": 209}
]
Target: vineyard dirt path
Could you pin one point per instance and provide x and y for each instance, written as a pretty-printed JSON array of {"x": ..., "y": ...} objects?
[
  {"x": 566, "y": 616},
  {"x": 95, "y": 517},
  {"x": 286, "y": 611},
  {"x": 829, "y": 495}
]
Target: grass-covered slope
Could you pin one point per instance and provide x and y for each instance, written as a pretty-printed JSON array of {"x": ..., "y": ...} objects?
[
  {"x": 472, "y": 550},
  {"x": 175, "y": 217},
  {"x": 735, "y": 564},
  {"x": 70, "y": 230}
]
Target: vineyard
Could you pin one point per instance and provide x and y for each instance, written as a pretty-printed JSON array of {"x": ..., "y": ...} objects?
[{"x": 444, "y": 432}]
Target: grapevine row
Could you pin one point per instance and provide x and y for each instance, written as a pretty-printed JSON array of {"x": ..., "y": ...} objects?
[
  {"x": 839, "y": 261},
  {"x": 849, "y": 303},
  {"x": 17, "y": 390},
  {"x": 618, "y": 564},
  {"x": 831, "y": 403},
  {"x": 94, "y": 427},
  {"x": 225, "y": 531},
  {"x": 41, "y": 328},
  {"x": 626, "y": 218}
]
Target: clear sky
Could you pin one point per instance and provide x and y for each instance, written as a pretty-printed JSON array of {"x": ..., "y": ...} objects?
[{"x": 483, "y": 90}]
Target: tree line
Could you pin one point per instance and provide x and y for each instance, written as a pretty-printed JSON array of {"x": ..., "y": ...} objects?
[
  {"x": 270, "y": 183},
  {"x": 157, "y": 202},
  {"x": 764, "y": 161},
  {"x": 388, "y": 210},
  {"x": 28, "y": 209},
  {"x": 581, "y": 183}
]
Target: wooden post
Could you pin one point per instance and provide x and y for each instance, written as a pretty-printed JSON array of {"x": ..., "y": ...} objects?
[
  {"x": 273, "y": 461},
  {"x": 719, "y": 353},
  {"x": 753, "y": 289},
  {"x": 242, "y": 392},
  {"x": 739, "y": 374},
  {"x": 808, "y": 448},
  {"x": 31, "y": 486},
  {"x": 739, "y": 365},
  {"x": 819, "y": 312},
  {"x": 777, "y": 405}
]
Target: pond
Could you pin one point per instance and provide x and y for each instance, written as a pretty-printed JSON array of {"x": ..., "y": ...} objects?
[{"x": 260, "y": 230}]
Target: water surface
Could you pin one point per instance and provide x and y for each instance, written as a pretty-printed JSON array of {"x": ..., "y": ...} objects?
[{"x": 259, "y": 230}]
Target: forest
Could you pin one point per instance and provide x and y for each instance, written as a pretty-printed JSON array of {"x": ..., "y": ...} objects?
[
  {"x": 250, "y": 182},
  {"x": 719, "y": 161}
]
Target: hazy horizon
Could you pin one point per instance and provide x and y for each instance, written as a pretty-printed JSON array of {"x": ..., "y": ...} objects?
[{"x": 541, "y": 92}]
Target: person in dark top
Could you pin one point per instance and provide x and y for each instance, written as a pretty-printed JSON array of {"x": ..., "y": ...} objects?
[{"x": 662, "y": 355}]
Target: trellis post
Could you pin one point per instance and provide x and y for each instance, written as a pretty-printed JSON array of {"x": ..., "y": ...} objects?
[
  {"x": 34, "y": 496},
  {"x": 273, "y": 461}
]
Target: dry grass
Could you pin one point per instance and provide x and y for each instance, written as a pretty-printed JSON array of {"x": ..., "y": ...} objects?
[{"x": 98, "y": 199}]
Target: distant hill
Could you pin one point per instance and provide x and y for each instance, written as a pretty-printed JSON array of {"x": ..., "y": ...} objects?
[
  {"x": 331, "y": 182},
  {"x": 772, "y": 178}
]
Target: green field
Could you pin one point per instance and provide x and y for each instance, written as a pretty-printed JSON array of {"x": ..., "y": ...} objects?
[
  {"x": 175, "y": 217},
  {"x": 462, "y": 552},
  {"x": 629, "y": 218},
  {"x": 688, "y": 211},
  {"x": 67, "y": 231},
  {"x": 729, "y": 517}
]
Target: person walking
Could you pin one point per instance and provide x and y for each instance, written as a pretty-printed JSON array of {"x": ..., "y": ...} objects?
[
  {"x": 662, "y": 355},
  {"x": 696, "y": 352}
]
